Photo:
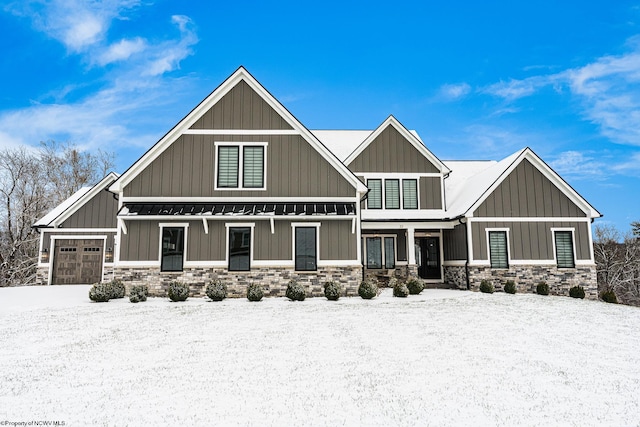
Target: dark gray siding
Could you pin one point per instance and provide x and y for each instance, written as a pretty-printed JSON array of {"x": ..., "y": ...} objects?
[
  {"x": 430, "y": 193},
  {"x": 206, "y": 247},
  {"x": 527, "y": 193},
  {"x": 187, "y": 169},
  {"x": 454, "y": 243},
  {"x": 46, "y": 237},
  {"x": 391, "y": 152},
  {"x": 336, "y": 241},
  {"x": 99, "y": 212},
  {"x": 530, "y": 240},
  {"x": 241, "y": 108},
  {"x": 142, "y": 241},
  {"x": 272, "y": 247}
]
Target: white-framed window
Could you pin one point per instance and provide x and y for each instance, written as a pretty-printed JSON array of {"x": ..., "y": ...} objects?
[
  {"x": 380, "y": 252},
  {"x": 564, "y": 247},
  {"x": 239, "y": 246},
  {"x": 306, "y": 246},
  {"x": 498, "y": 242},
  {"x": 241, "y": 165},
  {"x": 395, "y": 197},
  {"x": 173, "y": 246}
]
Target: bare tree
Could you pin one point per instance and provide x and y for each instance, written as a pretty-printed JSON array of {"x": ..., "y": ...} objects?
[{"x": 32, "y": 182}]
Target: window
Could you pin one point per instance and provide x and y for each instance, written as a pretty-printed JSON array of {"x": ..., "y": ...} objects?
[
  {"x": 392, "y": 194},
  {"x": 172, "y": 249},
  {"x": 374, "y": 199},
  {"x": 564, "y": 249},
  {"x": 253, "y": 167},
  {"x": 239, "y": 248},
  {"x": 410, "y": 194},
  {"x": 498, "y": 249},
  {"x": 376, "y": 252},
  {"x": 306, "y": 249},
  {"x": 244, "y": 170}
]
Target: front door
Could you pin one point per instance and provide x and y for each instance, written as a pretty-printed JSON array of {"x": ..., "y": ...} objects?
[{"x": 429, "y": 258}]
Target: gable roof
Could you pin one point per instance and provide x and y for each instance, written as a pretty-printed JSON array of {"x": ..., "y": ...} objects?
[
  {"x": 411, "y": 137},
  {"x": 344, "y": 142},
  {"x": 241, "y": 74},
  {"x": 470, "y": 183},
  {"x": 71, "y": 205}
]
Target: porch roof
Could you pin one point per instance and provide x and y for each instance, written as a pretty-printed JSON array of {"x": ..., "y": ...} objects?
[{"x": 236, "y": 209}]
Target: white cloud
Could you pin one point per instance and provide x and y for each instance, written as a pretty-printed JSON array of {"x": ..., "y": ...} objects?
[
  {"x": 515, "y": 89},
  {"x": 167, "y": 56},
  {"x": 452, "y": 92},
  {"x": 578, "y": 165},
  {"x": 121, "y": 50}
]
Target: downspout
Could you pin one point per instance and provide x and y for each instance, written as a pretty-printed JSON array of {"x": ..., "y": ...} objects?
[
  {"x": 362, "y": 252},
  {"x": 466, "y": 245}
]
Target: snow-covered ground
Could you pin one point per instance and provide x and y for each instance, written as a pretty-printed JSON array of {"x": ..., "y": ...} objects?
[{"x": 440, "y": 358}]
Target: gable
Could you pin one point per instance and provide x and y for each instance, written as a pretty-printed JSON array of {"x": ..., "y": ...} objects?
[
  {"x": 241, "y": 108},
  {"x": 98, "y": 212},
  {"x": 527, "y": 192},
  {"x": 390, "y": 152}
]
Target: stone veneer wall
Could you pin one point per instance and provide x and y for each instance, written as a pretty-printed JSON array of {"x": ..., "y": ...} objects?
[
  {"x": 527, "y": 278},
  {"x": 455, "y": 276},
  {"x": 274, "y": 280},
  {"x": 382, "y": 276},
  {"x": 42, "y": 275}
]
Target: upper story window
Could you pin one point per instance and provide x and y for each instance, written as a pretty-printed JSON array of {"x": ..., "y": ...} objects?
[
  {"x": 241, "y": 165},
  {"x": 393, "y": 197}
]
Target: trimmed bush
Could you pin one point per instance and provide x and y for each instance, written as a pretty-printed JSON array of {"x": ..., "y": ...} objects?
[
  {"x": 254, "y": 292},
  {"x": 367, "y": 289},
  {"x": 542, "y": 289},
  {"x": 216, "y": 290},
  {"x": 100, "y": 292},
  {"x": 510, "y": 287},
  {"x": 400, "y": 290},
  {"x": 486, "y": 287},
  {"x": 178, "y": 291},
  {"x": 332, "y": 290},
  {"x": 117, "y": 289},
  {"x": 576, "y": 292},
  {"x": 138, "y": 293},
  {"x": 609, "y": 296},
  {"x": 415, "y": 286},
  {"x": 295, "y": 291}
]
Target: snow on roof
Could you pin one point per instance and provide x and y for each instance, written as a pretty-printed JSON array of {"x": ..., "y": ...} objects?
[
  {"x": 344, "y": 142},
  {"x": 58, "y": 210}
]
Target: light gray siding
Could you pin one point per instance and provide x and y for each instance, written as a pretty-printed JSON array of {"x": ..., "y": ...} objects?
[
  {"x": 530, "y": 240},
  {"x": 526, "y": 192},
  {"x": 99, "y": 212},
  {"x": 241, "y": 108},
  {"x": 454, "y": 243},
  {"x": 391, "y": 152},
  {"x": 187, "y": 169},
  {"x": 430, "y": 193}
]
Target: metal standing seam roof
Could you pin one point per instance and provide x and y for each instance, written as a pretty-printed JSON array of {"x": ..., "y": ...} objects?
[{"x": 236, "y": 209}]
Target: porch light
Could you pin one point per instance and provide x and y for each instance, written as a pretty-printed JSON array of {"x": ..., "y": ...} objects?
[
  {"x": 108, "y": 256},
  {"x": 44, "y": 256}
]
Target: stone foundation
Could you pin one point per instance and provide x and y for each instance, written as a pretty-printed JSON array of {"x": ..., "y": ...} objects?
[
  {"x": 274, "y": 280},
  {"x": 382, "y": 276},
  {"x": 42, "y": 275},
  {"x": 455, "y": 276},
  {"x": 527, "y": 277}
]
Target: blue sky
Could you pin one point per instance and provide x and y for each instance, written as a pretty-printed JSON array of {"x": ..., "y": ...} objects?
[{"x": 477, "y": 80}]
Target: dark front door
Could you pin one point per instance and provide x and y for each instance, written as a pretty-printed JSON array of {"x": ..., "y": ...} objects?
[{"x": 429, "y": 258}]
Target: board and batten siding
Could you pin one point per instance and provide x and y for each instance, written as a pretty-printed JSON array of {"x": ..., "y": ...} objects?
[
  {"x": 430, "y": 193},
  {"x": 241, "y": 108},
  {"x": 526, "y": 192},
  {"x": 530, "y": 240},
  {"x": 47, "y": 235},
  {"x": 99, "y": 212},
  {"x": 187, "y": 169},
  {"x": 455, "y": 243},
  {"x": 142, "y": 241},
  {"x": 391, "y": 152}
]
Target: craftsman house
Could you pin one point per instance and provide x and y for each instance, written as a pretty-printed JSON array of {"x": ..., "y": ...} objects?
[{"x": 242, "y": 191}]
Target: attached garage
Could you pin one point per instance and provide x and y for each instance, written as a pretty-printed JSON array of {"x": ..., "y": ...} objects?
[{"x": 77, "y": 261}]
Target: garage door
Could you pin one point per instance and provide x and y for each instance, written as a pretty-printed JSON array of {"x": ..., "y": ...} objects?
[{"x": 77, "y": 261}]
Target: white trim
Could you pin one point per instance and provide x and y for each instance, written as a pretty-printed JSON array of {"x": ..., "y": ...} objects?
[
  {"x": 454, "y": 263},
  {"x": 531, "y": 262},
  {"x": 241, "y": 132},
  {"x": 52, "y": 240},
  {"x": 400, "y": 178},
  {"x": 173, "y": 224},
  {"x": 78, "y": 230},
  {"x": 508, "y": 246},
  {"x": 336, "y": 263},
  {"x": 573, "y": 243},
  {"x": 235, "y": 218},
  {"x": 528, "y": 219},
  {"x": 205, "y": 225},
  {"x": 148, "y": 263},
  {"x": 238, "y": 199},
  {"x": 272, "y": 264},
  {"x": 403, "y": 214},
  {"x": 196, "y": 264},
  {"x": 411, "y": 245},
  {"x": 399, "y": 175},
  {"x": 469, "y": 232},
  {"x": 122, "y": 226},
  {"x": 250, "y": 225},
  {"x": 240, "y": 145},
  {"x": 400, "y": 225},
  {"x": 383, "y": 251},
  {"x": 591, "y": 254},
  {"x": 162, "y": 226},
  {"x": 295, "y": 225}
]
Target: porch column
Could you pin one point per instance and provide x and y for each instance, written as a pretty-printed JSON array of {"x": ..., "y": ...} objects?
[{"x": 411, "y": 241}]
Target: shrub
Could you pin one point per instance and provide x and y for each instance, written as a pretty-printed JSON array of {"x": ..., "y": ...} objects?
[
  {"x": 542, "y": 289},
  {"x": 100, "y": 292},
  {"x": 216, "y": 290},
  {"x": 510, "y": 287},
  {"x": 486, "y": 287},
  {"x": 609, "y": 296},
  {"x": 415, "y": 286},
  {"x": 117, "y": 289},
  {"x": 367, "y": 289},
  {"x": 254, "y": 292},
  {"x": 138, "y": 293},
  {"x": 576, "y": 292},
  {"x": 178, "y": 291},
  {"x": 400, "y": 289},
  {"x": 295, "y": 291},
  {"x": 332, "y": 290}
]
